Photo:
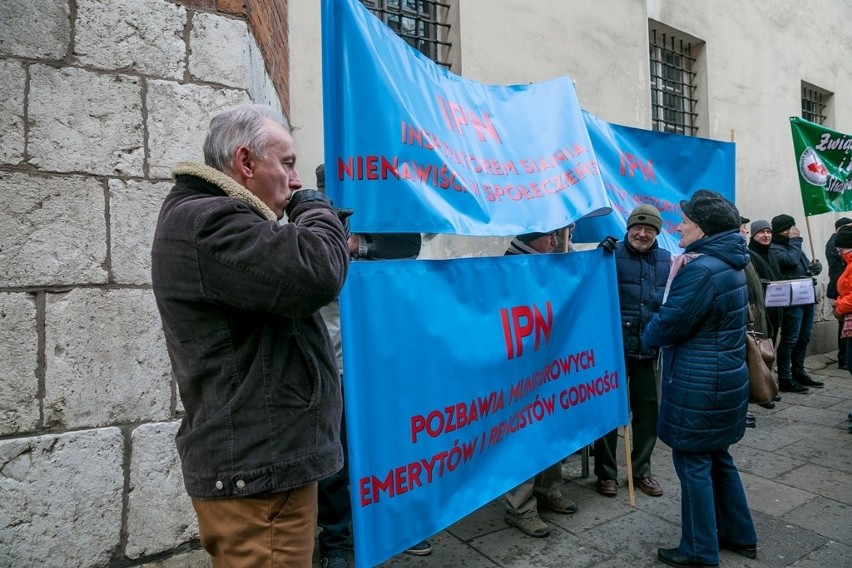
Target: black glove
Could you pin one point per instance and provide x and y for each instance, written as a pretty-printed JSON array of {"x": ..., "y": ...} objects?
[
  {"x": 343, "y": 215},
  {"x": 303, "y": 196},
  {"x": 816, "y": 268},
  {"x": 608, "y": 244}
]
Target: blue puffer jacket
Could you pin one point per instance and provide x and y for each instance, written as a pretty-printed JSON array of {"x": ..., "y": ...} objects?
[
  {"x": 641, "y": 283},
  {"x": 702, "y": 329}
]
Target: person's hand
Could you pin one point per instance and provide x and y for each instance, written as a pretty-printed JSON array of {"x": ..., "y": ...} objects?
[
  {"x": 302, "y": 197},
  {"x": 816, "y": 268},
  {"x": 795, "y": 232},
  {"x": 343, "y": 215},
  {"x": 608, "y": 244}
]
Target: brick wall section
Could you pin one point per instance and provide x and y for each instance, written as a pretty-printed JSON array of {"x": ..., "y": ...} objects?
[{"x": 267, "y": 20}]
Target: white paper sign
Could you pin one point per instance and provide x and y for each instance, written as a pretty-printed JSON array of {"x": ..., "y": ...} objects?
[
  {"x": 790, "y": 293},
  {"x": 777, "y": 294},
  {"x": 802, "y": 292}
]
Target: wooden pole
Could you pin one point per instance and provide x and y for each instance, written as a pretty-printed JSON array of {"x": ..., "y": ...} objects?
[
  {"x": 810, "y": 240},
  {"x": 631, "y": 495}
]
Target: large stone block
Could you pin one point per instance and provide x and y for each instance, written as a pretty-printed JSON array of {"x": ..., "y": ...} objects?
[
  {"x": 12, "y": 83},
  {"x": 85, "y": 122},
  {"x": 145, "y": 36},
  {"x": 194, "y": 559},
  {"x": 61, "y": 499},
  {"x": 19, "y": 405},
  {"x": 52, "y": 230},
  {"x": 219, "y": 50},
  {"x": 106, "y": 359},
  {"x": 178, "y": 116},
  {"x": 37, "y": 29},
  {"x": 160, "y": 514},
  {"x": 134, "y": 207},
  {"x": 260, "y": 86}
]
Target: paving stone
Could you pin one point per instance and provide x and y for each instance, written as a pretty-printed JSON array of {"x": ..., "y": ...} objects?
[
  {"x": 832, "y": 555},
  {"x": 763, "y": 464},
  {"x": 510, "y": 548},
  {"x": 772, "y": 498},
  {"x": 447, "y": 551},
  {"x": 781, "y": 543},
  {"x": 637, "y": 535},
  {"x": 825, "y": 517},
  {"x": 821, "y": 480}
]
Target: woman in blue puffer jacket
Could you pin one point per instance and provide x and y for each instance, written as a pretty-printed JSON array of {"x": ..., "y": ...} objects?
[{"x": 701, "y": 327}]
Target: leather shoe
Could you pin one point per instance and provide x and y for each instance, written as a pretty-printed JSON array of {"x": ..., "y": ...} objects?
[
  {"x": 673, "y": 557},
  {"x": 747, "y": 550},
  {"x": 608, "y": 487},
  {"x": 777, "y": 398},
  {"x": 770, "y": 405},
  {"x": 791, "y": 386},
  {"x": 648, "y": 486},
  {"x": 807, "y": 381}
]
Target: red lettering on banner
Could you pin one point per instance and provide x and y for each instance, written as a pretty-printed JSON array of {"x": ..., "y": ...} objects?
[
  {"x": 525, "y": 320},
  {"x": 630, "y": 163},
  {"x": 456, "y": 116}
]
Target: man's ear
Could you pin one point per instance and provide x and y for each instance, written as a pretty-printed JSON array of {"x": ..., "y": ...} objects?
[{"x": 244, "y": 162}]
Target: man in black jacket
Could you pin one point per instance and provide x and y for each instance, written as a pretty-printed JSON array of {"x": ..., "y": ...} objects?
[
  {"x": 797, "y": 321},
  {"x": 643, "y": 269},
  {"x": 239, "y": 297}
]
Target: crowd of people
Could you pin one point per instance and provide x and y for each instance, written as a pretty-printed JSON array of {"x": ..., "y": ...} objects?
[{"x": 240, "y": 296}]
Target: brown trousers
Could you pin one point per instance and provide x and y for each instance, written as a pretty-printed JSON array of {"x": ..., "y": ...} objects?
[{"x": 275, "y": 530}]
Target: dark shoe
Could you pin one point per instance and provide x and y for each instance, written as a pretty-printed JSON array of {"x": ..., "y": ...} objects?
[
  {"x": 750, "y": 420},
  {"x": 807, "y": 381},
  {"x": 529, "y": 523},
  {"x": 791, "y": 386},
  {"x": 334, "y": 562},
  {"x": 648, "y": 486},
  {"x": 558, "y": 505},
  {"x": 422, "y": 548},
  {"x": 747, "y": 550},
  {"x": 673, "y": 557},
  {"x": 777, "y": 398},
  {"x": 770, "y": 405},
  {"x": 608, "y": 487}
]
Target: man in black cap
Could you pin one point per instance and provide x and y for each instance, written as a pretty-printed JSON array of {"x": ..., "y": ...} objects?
[
  {"x": 835, "y": 269},
  {"x": 798, "y": 321}
]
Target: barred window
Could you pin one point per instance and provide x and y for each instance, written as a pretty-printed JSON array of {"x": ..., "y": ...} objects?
[
  {"x": 674, "y": 100},
  {"x": 421, "y": 23},
  {"x": 814, "y": 103}
]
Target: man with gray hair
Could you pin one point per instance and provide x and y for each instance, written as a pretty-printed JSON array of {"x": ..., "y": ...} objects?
[{"x": 239, "y": 297}]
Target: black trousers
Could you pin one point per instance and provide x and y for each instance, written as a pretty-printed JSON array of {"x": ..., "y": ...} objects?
[{"x": 335, "y": 508}]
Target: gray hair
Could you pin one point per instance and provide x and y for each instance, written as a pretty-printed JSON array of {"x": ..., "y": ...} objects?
[{"x": 240, "y": 126}]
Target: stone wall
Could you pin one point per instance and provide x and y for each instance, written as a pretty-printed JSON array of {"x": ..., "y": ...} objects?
[{"x": 98, "y": 99}]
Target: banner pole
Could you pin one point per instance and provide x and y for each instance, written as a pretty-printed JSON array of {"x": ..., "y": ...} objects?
[
  {"x": 810, "y": 240},
  {"x": 630, "y": 493}
]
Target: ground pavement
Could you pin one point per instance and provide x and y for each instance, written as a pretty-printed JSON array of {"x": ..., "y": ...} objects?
[{"x": 796, "y": 466}]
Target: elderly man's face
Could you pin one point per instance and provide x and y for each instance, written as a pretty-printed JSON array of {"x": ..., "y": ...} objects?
[
  {"x": 763, "y": 236},
  {"x": 544, "y": 244},
  {"x": 641, "y": 237},
  {"x": 273, "y": 175}
]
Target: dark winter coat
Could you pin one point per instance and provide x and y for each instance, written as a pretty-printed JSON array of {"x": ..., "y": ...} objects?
[
  {"x": 767, "y": 269},
  {"x": 836, "y": 266},
  {"x": 702, "y": 328},
  {"x": 792, "y": 261},
  {"x": 238, "y": 295},
  {"x": 641, "y": 284}
]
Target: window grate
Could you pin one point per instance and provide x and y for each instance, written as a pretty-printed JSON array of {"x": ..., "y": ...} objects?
[
  {"x": 673, "y": 98},
  {"x": 418, "y": 23},
  {"x": 813, "y": 105}
]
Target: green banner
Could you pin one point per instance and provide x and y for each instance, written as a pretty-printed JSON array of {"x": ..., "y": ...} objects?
[{"x": 824, "y": 159}]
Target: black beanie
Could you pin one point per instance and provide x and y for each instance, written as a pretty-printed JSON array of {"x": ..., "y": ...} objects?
[
  {"x": 781, "y": 223},
  {"x": 843, "y": 238},
  {"x": 842, "y": 221},
  {"x": 711, "y": 212}
]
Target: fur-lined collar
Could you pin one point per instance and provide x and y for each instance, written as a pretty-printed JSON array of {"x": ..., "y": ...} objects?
[{"x": 225, "y": 183}]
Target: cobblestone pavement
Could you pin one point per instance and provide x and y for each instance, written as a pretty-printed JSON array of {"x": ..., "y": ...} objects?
[{"x": 796, "y": 466}]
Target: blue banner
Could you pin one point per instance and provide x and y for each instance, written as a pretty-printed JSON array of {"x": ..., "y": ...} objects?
[
  {"x": 655, "y": 168},
  {"x": 466, "y": 377},
  {"x": 411, "y": 147}
]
